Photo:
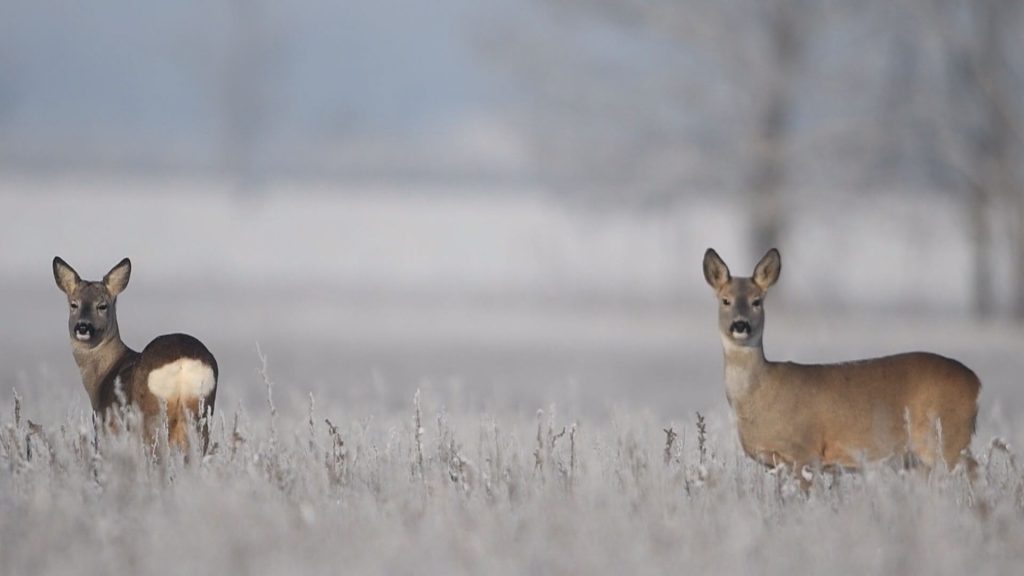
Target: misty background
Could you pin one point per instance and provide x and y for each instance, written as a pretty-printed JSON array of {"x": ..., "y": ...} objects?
[{"x": 507, "y": 202}]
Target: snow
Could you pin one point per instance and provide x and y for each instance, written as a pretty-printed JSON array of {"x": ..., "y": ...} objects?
[{"x": 493, "y": 305}]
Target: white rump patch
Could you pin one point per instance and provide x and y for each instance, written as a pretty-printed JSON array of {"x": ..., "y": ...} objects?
[{"x": 184, "y": 378}]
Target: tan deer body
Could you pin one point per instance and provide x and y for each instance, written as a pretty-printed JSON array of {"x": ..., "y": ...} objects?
[
  {"x": 918, "y": 405},
  {"x": 175, "y": 374}
]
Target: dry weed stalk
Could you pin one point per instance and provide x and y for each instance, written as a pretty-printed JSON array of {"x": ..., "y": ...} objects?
[
  {"x": 418, "y": 435},
  {"x": 670, "y": 439},
  {"x": 572, "y": 453},
  {"x": 337, "y": 460},
  {"x": 702, "y": 439},
  {"x": 269, "y": 384}
]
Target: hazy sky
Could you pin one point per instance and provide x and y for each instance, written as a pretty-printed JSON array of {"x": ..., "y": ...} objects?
[{"x": 116, "y": 68}]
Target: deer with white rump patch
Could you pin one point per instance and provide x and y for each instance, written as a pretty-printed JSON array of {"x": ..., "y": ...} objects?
[
  {"x": 174, "y": 374},
  {"x": 919, "y": 406}
]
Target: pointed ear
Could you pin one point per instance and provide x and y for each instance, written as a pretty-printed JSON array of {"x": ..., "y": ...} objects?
[
  {"x": 117, "y": 279},
  {"x": 715, "y": 270},
  {"x": 767, "y": 270},
  {"x": 66, "y": 277}
]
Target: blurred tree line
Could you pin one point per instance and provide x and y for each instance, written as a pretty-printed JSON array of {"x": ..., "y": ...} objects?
[{"x": 640, "y": 101}]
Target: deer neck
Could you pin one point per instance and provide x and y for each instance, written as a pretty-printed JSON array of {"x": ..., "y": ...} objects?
[
  {"x": 743, "y": 368},
  {"x": 97, "y": 363}
]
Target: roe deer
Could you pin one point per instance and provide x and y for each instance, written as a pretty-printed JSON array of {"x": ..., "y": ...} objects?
[
  {"x": 919, "y": 406},
  {"x": 175, "y": 371}
]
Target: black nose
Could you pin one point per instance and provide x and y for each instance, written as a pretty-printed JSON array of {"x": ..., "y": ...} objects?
[
  {"x": 740, "y": 327},
  {"x": 83, "y": 328}
]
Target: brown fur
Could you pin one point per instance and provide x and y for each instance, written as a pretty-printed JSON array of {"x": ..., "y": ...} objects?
[
  {"x": 836, "y": 415},
  {"x": 113, "y": 374},
  {"x": 164, "y": 350}
]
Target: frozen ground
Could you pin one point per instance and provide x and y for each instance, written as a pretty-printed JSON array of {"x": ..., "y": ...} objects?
[
  {"x": 472, "y": 493},
  {"x": 871, "y": 250},
  {"x": 500, "y": 300},
  {"x": 429, "y": 492},
  {"x": 363, "y": 357},
  {"x": 284, "y": 496}
]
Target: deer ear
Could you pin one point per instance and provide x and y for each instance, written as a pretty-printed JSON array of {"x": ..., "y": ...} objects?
[
  {"x": 715, "y": 271},
  {"x": 66, "y": 277},
  {"x": 767, "y": 270},
  {"x": 117, "y": 279}
]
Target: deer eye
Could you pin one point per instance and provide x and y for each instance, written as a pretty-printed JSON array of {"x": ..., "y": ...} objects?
[
  {"x": 74, "y": 305},
  {"x": 756, "y": 303},
  {"x": 726, "y": 302},
  {"x": 102, "y": 306}
]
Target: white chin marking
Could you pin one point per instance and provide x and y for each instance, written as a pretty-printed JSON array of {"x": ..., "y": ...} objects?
[
  {"x": 740, "y": 335},
  {"x": 82, "y": 337},
  {"x": 184, "y": 378}
]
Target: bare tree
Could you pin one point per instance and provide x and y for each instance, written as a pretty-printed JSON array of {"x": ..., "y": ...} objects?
[
  {"x": 792, "y": 93},
  {"x": 979, "y": 120},
  {"x": 739, "y": 61},
  {"x": 250, "y": 51},
  {"x": 786, "y": 23}
]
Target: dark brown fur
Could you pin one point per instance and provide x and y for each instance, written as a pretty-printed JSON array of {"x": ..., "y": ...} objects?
[
  {"x": 115, "y": 375},
  {"x": 164, "y": 350}
]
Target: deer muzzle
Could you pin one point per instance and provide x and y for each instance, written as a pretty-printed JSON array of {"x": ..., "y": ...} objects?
[
  {"x": 84, "y": 331},
  {"x": 740, "y": 329}
]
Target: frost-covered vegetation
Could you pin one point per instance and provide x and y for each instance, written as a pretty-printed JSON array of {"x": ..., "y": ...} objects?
[{"x": 427, "y": 492}]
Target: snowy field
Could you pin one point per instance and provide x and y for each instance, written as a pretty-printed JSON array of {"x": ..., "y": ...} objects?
[
  {"x": 601, "y": 322},
  {"x": 430, "y": 492}
]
